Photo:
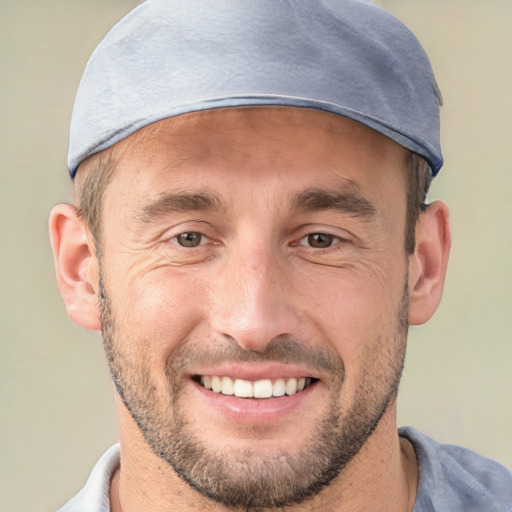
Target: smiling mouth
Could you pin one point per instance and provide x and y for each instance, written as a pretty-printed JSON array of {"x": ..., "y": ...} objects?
[{"x": 265, "y": 388}]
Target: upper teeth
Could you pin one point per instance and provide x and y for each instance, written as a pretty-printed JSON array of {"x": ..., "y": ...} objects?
[{"x": 259, "y": 389}]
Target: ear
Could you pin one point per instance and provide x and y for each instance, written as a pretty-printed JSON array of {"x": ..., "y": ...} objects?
[
  {"x": 76, "y": 266},
  {"x": 427, "y": 266}
]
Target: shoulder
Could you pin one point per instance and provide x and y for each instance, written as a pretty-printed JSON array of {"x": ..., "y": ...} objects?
[
  {"x": 94, "y": 497},
  {"x": 455, "y": 478}
]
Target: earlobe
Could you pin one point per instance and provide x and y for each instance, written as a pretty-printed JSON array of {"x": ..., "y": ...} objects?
[
  {"x": 427, "y": 266},
  {"x": 76, "y": 266}
]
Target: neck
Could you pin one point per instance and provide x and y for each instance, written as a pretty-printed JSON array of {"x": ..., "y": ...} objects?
[{"x": 382, "y": 476}]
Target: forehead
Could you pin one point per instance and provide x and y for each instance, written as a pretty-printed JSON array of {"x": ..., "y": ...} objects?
[{"x": 226, "y": 147}]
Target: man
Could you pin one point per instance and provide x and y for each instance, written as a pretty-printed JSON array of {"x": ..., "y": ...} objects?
[{"x": 251, "y": 238}]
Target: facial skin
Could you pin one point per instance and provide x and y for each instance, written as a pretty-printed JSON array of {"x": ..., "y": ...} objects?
[{"x": 257, "y": 244}]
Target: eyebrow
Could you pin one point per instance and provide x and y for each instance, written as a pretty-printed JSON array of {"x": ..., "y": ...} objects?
[
  {"x": 175, "y": 202},
  {"x": 351, "y": 202}
]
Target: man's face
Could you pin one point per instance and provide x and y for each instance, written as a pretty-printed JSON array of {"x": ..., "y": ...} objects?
[{"x": 258, "y": 252}]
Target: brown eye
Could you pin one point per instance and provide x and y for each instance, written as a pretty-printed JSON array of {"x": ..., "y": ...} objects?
[
  {"x": 190, "y": 239},
  {"x": 320, "y": 240}
]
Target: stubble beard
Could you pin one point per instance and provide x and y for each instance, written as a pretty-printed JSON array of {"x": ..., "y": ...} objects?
[{"x": 246, "y": 479}]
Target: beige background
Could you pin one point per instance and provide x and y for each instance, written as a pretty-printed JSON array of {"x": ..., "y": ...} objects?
[{"x": 56, "y": 408}]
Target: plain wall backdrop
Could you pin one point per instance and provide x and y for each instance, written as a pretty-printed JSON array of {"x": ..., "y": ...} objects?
[{"x": 56, "y": 401}]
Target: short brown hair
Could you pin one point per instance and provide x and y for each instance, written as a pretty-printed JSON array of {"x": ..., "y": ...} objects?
[
  {"x": 90, "y": 183},
  {"x": 419, "y": 176}
]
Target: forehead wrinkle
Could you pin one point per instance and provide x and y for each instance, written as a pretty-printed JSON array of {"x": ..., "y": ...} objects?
[
  {"x": 178, "y": 202},
  {"x": 184, "y": 152}
]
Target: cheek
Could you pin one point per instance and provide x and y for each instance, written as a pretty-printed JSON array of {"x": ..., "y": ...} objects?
[
  {"x": 357, "y": 309},
  {"x": 161, "y": 309}
]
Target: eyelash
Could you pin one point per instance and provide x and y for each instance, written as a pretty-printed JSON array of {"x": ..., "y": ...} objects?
[
  {"x": 306, "y": 240},
  {"x": 203, "y": 239},
  {"x": 330, "y": 240}
]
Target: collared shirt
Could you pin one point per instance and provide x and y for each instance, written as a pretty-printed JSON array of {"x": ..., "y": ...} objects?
[{"x": 451, "y": 479}]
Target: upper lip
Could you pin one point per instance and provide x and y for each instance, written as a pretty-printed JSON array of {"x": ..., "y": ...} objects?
[{"x": 256, "y": 371}]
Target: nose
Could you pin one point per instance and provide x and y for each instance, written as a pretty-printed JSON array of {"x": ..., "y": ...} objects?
[{"x": 252, "y": 300}]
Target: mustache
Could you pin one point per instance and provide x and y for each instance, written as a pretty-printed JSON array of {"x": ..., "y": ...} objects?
[{"x": 282, "y": 349}]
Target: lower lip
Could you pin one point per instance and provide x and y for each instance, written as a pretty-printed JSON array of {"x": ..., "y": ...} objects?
[{"x": 251, "y": 411}]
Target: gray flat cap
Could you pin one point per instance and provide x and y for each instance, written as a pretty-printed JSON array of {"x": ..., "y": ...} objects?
[{"x": 170, "y": 57}]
